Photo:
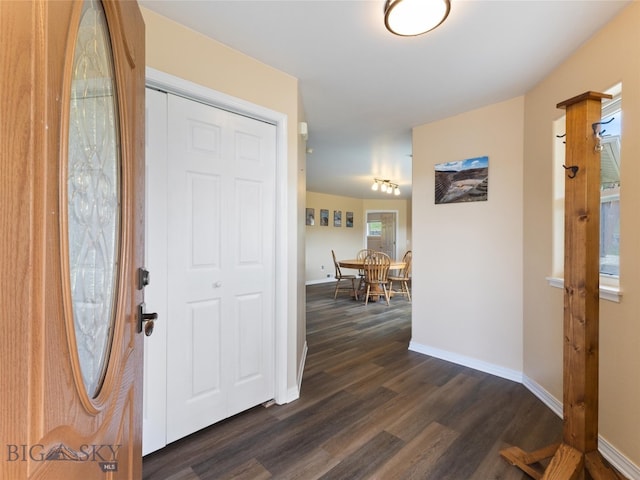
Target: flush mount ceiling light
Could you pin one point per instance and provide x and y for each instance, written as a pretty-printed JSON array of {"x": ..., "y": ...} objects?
[{"x": 408, "y": 18}]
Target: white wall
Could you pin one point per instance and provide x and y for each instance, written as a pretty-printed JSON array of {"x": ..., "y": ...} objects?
[{"x": 467, "y": 257}]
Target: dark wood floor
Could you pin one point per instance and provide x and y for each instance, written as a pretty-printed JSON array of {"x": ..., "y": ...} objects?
[{"x": 369, "y": 409}]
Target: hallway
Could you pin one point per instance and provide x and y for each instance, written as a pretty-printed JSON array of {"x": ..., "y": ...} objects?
[{"x": 369, "y": 408}]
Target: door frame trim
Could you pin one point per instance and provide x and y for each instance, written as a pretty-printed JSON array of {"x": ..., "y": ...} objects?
[{"x": 168, "y": 83}]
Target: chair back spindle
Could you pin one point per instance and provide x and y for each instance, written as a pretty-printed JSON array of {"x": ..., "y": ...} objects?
[
  {"x": 403, "y": 277},
  {"x": 376, "y": 272}
]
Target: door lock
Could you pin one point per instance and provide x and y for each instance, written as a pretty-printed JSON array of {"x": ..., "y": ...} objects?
[
  {"x": 146, "y": 321},
  {"x": 144, "y": 278}
]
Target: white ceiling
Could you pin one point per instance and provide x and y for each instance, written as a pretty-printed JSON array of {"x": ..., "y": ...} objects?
[{"x": 363, "y": 88}]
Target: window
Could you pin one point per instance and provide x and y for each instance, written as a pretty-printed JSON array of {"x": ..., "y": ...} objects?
[
  {"x": 609, "y": 194},
  {"x": 374, "y": 228},
  {"x": 610, "y": 189}
]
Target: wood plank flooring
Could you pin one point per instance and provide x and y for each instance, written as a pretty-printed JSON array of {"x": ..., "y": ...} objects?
[{"x": 369, "y": 409}]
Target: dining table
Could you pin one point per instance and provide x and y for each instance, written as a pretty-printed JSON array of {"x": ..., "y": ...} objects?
[{"x": 358, "y": 264}]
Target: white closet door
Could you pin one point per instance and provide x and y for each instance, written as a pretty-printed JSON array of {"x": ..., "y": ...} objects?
[
  {"x": 221, "y": 211},
  {"x": 154, "y": 412}
]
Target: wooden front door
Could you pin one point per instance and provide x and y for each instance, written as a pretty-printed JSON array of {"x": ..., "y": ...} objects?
[{"x": 71, "y": 241}]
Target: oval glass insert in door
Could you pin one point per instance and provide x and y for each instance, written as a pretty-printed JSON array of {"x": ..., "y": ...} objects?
[{"x": 94, "y": 195}]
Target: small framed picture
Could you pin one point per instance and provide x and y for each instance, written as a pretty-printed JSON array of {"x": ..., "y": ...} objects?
[
  {"x": 349, "y": 220},
  {"x": 462, "y": 181},
  {"x": 324, "y": 218},
  {"x": 337, "y": 218},
  {"x": 310, "y": 217}
]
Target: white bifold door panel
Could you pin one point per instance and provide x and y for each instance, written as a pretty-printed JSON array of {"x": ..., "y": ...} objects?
[
  {"x": 154, "y": 394},
  {"x": 220, "y": 260}
]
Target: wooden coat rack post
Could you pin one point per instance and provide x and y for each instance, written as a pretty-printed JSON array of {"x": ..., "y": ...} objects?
[{"x": 577, "y": 457}]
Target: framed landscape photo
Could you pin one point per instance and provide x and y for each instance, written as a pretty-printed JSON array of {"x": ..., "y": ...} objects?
[
  {"x": 337, "y": 218},
  {"x": 462, "y": 181},
  {"x": 349, "y": 220},
  {"x": 310, "y": 217},
  {"x": 324, "y": 218}
]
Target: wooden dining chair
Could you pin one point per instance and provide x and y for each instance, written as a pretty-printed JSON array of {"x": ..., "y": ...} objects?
[
  {"x": 360, "y": 256},
  {"x": 376, "y": 273},
  {"x": 340, "y": 276},
  {"x": 403, "y": 277}
]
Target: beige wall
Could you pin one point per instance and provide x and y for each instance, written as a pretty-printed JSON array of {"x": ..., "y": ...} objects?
[
  {"x": 467, "y": 257},
  {"x": 344, "y": 241},
  {"x": 181, "y": 52},
  {"x": 612, "y": 56},
  {"x": 496, "y": 255}
]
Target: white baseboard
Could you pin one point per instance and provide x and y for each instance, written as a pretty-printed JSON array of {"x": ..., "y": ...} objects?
[
  {"x": 303, "y": 361},
  {"x": 319, "y": 281},
  {"x": 625, "y": 466},
  {"x": 545, "y": 397},
  {"x": 470, "y": 362},
  {"x": 294, "y": 392}
]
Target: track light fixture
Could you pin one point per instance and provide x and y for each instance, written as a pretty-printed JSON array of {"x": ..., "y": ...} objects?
[{"x": 385, "y": 186}]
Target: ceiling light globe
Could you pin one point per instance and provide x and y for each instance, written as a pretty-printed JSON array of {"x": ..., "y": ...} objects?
[
  {"x": 396, "y": 192},
  {"x": 374, "y": 187},
  {"x": 383, "y": 187},
  {"x": 414, "y": 17}
]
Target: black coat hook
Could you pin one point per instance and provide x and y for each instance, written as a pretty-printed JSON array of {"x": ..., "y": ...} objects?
[
  {"x": 574, "y": 170},
  {"x": 596, "y": 126}
]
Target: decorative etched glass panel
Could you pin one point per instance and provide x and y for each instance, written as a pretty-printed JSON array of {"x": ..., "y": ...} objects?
[{"x": 93, "y": 178}]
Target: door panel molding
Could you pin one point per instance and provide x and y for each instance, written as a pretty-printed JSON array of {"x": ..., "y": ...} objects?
[
  {"x": 251, "y": 256},
  {"x": 171, "y": 84}
]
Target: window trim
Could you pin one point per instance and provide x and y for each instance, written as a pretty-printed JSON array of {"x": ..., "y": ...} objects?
[{"x": 609, "y": 288}]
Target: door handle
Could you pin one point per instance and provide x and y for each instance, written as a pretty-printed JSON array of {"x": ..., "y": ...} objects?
[{"x": 146, "y": 321}]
